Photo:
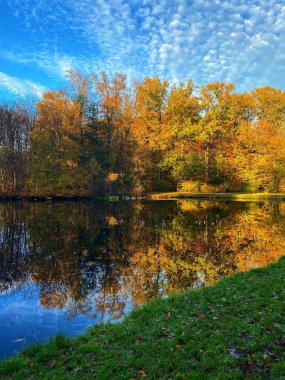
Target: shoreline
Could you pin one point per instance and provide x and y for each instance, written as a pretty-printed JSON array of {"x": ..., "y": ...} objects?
[
  {"x": 175, "y": 195},
  {"x": 53, "y": 198},
  {"x": 215, "y": 196},
  {"x": 235, "y": 326}
]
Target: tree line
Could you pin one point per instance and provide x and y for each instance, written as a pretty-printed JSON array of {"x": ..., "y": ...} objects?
[{"x": 100, "y": 135}]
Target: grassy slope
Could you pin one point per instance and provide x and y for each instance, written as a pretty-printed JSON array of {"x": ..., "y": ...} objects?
[
  {"x": 227, "y": 196},
  {"x": 232, "y": 330}
]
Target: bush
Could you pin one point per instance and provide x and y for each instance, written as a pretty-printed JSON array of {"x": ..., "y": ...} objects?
[
  {"x": 209, "y": 188},
  {"x": 191, "y": 186},
  {"x": 197, "y": 187}
]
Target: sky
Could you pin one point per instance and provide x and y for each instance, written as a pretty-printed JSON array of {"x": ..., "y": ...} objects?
[{"x": 239, "y": 41}]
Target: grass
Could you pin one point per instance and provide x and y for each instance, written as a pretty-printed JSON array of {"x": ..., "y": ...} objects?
[
  {"x": 226, "y": 196},
  {"x": 234, "y": 329}
]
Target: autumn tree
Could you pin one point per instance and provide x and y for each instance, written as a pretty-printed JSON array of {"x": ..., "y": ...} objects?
[
  {"x": 181, "y": 153},
  {"x": 115, "y": 120},
  {"x": 216, "y": 125},
  {"x": 55, "y": 144},
  {"x": 259, "y": 146},
  {"x": 149, "y": 130}
]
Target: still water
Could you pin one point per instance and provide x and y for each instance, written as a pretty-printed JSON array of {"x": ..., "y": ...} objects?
[{"x": 67, "y": 266}]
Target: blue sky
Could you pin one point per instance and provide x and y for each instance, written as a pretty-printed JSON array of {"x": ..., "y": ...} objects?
[{"x": 239, "y": 41}]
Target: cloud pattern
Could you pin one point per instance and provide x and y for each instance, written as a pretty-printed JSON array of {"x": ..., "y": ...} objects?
[
  {"x": 21, "y": 87},
  {"x": 240, "y": 41}
]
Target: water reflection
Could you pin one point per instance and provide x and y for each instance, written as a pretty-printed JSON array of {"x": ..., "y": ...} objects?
[{"x": 65, "y": 266}]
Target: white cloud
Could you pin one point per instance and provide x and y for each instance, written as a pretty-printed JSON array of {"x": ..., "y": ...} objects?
[
  {"x": 206, "y": 40},
  {"x": 20, "y": 86}
]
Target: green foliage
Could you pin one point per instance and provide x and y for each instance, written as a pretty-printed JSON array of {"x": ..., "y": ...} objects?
[{"x": 183, "y": 167}]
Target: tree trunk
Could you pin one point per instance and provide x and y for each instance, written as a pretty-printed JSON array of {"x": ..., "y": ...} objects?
[
  {"x": 276, "y": 184},
  {"x": 207, "y": 164},
  {"x": 14, "y": 182},
  {"x": 2, "y": 181}
]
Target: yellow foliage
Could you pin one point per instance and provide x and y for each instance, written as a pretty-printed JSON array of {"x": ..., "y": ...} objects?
[{"x": 112, "y": 177}]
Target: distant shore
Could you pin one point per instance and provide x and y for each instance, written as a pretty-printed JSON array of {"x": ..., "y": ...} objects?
[
  {"x": 34, "y": 198},
  {"x": 149, "y": 196},
  {"x": 58, "y": 197},
  {"x": 225, "y": 196}
]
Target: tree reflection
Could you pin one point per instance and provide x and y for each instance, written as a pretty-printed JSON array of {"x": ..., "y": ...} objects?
[{"x": 100, "y": 258}]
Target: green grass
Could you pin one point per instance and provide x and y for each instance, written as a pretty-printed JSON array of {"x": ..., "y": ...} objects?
[
  {"x": 226, "y": 196},
  {"x": 232, "y": 330}
]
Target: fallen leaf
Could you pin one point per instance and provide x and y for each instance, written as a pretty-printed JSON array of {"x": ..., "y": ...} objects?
[
  {"x": 52, "y": 364},
  {"x": 141, "y": 373},
  {"x": 236, "y": 352},
  {"x": 141, "y": 339}
]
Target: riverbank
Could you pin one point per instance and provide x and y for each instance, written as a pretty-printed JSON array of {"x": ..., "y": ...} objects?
[
  {"x": 225, "y": 196},
  {"x": 231, "y": 330},
  {"x": 150, "y": 196},
  {"x": 57, "y": 198}
]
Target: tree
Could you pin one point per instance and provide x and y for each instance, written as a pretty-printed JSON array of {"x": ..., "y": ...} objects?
[
  {"x": 17, "y": 119},
  {"x": 216, "y": 125},
  {"x": 149, "y": 130},
  {"x": 115, "y": 119},
  {"x": 56, "y": 145},
  {"x": 181, "y": 153},
  {"x": 259, "y": 146}
]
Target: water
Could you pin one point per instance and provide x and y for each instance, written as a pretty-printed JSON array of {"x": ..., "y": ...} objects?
[{"x": 67, "y": 266}]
